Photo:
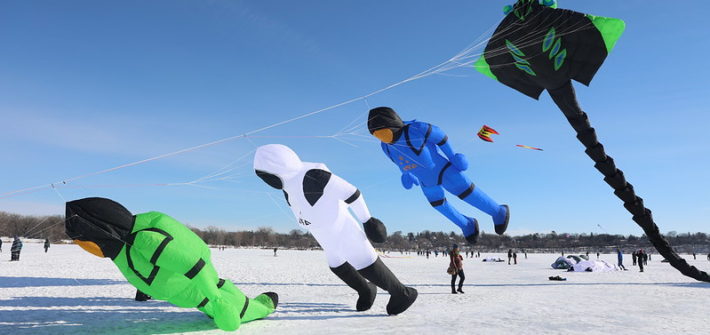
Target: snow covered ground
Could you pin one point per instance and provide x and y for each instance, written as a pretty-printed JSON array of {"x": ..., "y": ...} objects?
[{"x": 68, "y": 291}]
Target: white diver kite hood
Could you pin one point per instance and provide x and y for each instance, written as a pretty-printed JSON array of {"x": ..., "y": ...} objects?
[{"x": 277, "y": 160}]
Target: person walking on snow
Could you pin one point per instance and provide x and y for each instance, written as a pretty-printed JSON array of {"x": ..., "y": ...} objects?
[
  {"x": 321, "y": 202},
  {"x": 46, "y": 245},
  {"x": 456, "y": 262},
  {"x": 620, "y": 258}
]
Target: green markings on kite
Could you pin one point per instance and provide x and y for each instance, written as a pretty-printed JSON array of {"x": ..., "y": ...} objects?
[
  {"x": 554, "y": 48},
  {"x": 560, "y": 59},
  {"x": 520, "y": 62},
  {"x": 522, "y": 15},
  {"x": 549, "y": 38},
  {"x": 514, "y": 49}
]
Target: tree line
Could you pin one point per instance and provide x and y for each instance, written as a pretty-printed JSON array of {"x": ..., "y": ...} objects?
[{"x": 52, "y": 227}]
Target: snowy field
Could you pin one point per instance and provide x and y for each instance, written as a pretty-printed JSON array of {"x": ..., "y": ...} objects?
[{"x": 68, "y": 291}]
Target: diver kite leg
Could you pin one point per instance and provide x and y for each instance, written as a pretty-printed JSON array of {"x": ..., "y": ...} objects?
[
  {"x": 401, "y": 297},
  {"x": 345, "y": 256},
  {"x": 469, "y": 226},
  {"x": 458, "y": 184},
  {"x": 367, "y": 292},
  {"x": 258, "y": 308},
  {"x": 247, "y": 309}
]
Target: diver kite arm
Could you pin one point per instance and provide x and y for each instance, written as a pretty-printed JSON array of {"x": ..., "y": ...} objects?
[
  {"x": 352, "y": 197},
  {"x": 442, "y": 141},
  {"x": 408, "y": 180},
  {"x": 374, "y": 229}
]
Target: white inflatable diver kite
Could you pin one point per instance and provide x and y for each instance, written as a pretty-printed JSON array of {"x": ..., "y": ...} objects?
[{"x": 320, "y": 201}]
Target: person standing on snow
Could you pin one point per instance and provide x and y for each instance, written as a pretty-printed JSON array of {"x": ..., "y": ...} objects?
[
  {"x": 456, "y": 262},
  {"x": 46, "y": 245},
  {"x": 510, "y": 255},
  {"x": 320, "y": 201},
  {"x": 15, "y": 249}
]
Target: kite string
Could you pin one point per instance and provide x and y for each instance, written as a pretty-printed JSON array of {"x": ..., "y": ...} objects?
[{"x": 439, "y": 68}]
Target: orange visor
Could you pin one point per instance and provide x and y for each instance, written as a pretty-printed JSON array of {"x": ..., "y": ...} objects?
[
  {"x": 91, "y": 247},
  {"x": 385, "y": 135}
]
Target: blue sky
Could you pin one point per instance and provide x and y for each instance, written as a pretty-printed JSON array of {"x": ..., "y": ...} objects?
[{"x": 90, "y": 85}]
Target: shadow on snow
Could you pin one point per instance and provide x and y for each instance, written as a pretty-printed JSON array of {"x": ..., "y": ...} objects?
[{"x": 43, "y": 281}]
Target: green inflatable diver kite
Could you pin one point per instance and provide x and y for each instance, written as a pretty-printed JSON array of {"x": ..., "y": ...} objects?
[{"x": 162, "y": 258}]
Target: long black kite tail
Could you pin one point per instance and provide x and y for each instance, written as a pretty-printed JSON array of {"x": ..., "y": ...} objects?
[{"x": 566, "y": 100}]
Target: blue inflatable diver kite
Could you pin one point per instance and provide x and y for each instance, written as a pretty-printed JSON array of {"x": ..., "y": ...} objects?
[{"x": 416, "y": 147}]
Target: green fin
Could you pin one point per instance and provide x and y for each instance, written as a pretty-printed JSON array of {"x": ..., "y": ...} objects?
[
  {"x": 482, "y": 66},
  {"x": 610, "y": 28}
]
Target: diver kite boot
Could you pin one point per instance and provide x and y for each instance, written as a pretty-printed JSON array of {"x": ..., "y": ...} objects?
[
  {"x": 500, "y": 221},
  {"x": 140, "y": 296},
  {"x": 401, "y": 297},
  {"x": 273, "y": 299},
  {"x": 367, "y": 291},
  {"x": 472, "y": 238}
]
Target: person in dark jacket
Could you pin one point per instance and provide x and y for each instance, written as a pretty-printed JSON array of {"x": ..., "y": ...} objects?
[
  {"x": 510, "y": 255},
  {"x": 634, "y": 255},
  {"x": 15, "y": 249},
  {"x": 641, "y": 256},
  {"x": 456, "y": 261},
  {"x": 515, "y": 258},
  {"x": 0, "y": 245},
  {"x": 46, "y": 245}
]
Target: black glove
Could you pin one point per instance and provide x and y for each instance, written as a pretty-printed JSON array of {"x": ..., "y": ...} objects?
[{"x": 375, "y": 230}]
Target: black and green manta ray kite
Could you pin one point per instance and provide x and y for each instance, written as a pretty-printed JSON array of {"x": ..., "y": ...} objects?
[{"x": 538, "y": 47}]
